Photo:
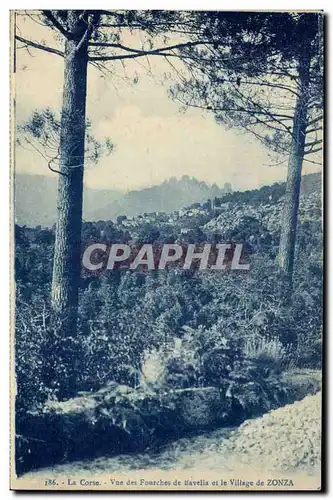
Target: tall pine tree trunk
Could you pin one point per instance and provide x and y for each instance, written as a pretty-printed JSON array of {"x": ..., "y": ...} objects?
[
  {"x": 66, "y": 265},
  {"x": 291, "y": 201}
]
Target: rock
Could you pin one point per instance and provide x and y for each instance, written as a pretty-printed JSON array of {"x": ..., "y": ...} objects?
[
  {"x": 302, "y": 382},
  {"x": 199, "y": 407}
]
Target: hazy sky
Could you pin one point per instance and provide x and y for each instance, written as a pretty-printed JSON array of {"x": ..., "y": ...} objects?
[{"x": 153, "y": 139}]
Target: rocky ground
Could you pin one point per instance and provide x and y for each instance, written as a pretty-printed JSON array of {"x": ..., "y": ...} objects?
[{"x": 287, "y": 439}]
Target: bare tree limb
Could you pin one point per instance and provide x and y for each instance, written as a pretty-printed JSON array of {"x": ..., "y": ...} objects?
[
  {"x": 139, "y": 52},
  {"x": 313, "y": 161},
  {"x": 276, "y": 164},
  {"x": 315, "y": 129},
  {"x": 311, "y": 151},
  {"x": 313, "y": 143},
  {"x": 36, "y": 45},
  {"x": 315, "y": 120}
]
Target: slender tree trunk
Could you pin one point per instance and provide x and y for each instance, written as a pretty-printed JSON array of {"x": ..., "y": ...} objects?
[
  {"x": 291, "y": 201},
  {"x": 66, "y": 265}
]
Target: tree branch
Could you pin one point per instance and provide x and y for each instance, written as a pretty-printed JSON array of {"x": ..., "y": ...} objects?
[
  {"x": 138, "y": 52},
  {"x": 315, "y": 120},
  {"x": 56, "y": 24},
  {"x": 36, "y": 45},
  {"x": 311, "y": 151},
  {"x": 313, "y": 143},
  {"x": 315, "y": 129},
  {"x": 87, "y": 34},
  {"x": 234, "y": 110},
  {"x": 314, "y": 162},
  {"x": 267, "y": 124},
  {"x": 263, "y": 110}
]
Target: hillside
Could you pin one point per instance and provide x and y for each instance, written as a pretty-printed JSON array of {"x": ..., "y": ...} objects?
[
  {"x": 310, "y": 183},
  {"x": 266, "y": 205}
]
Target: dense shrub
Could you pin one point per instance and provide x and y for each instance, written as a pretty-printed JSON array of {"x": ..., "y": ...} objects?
[
  {"x": 167, "y": 331},
  {"x": 214, "y": 316}
]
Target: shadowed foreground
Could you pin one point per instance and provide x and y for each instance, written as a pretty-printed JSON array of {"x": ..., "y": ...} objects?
[{"x": 283, "y": 443}]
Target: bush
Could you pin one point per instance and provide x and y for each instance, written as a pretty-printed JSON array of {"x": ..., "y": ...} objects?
[{"x": 270, "y": 354}]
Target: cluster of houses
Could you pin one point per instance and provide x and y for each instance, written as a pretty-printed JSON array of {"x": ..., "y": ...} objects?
[
  {"x": 209, "y": 208},
  {"x": 182, "y": 220}
]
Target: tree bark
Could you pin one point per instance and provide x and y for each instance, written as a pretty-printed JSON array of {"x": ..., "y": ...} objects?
[
  {"x": 291, "y": 201},
  {"x": 66, "y": 264}
]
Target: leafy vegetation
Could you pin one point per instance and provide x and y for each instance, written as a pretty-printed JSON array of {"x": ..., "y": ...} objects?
[{"x": 151, "y": 335}]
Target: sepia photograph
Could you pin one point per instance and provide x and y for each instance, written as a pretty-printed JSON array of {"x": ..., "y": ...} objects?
[{"x": 166, "y": 182}]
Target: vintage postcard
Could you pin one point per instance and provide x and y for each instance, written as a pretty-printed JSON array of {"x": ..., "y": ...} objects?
[{"x": 167, "y": 250}]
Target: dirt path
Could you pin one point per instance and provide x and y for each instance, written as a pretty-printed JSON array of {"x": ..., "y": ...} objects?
[{"x": 287, "y": 439}]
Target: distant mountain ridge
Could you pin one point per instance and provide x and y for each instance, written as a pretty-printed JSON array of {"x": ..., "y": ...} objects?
[
  {"x": 36, "y": 195},
  {"x": 171, "y": 195},
  {"x": 35, "y": 199}
]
